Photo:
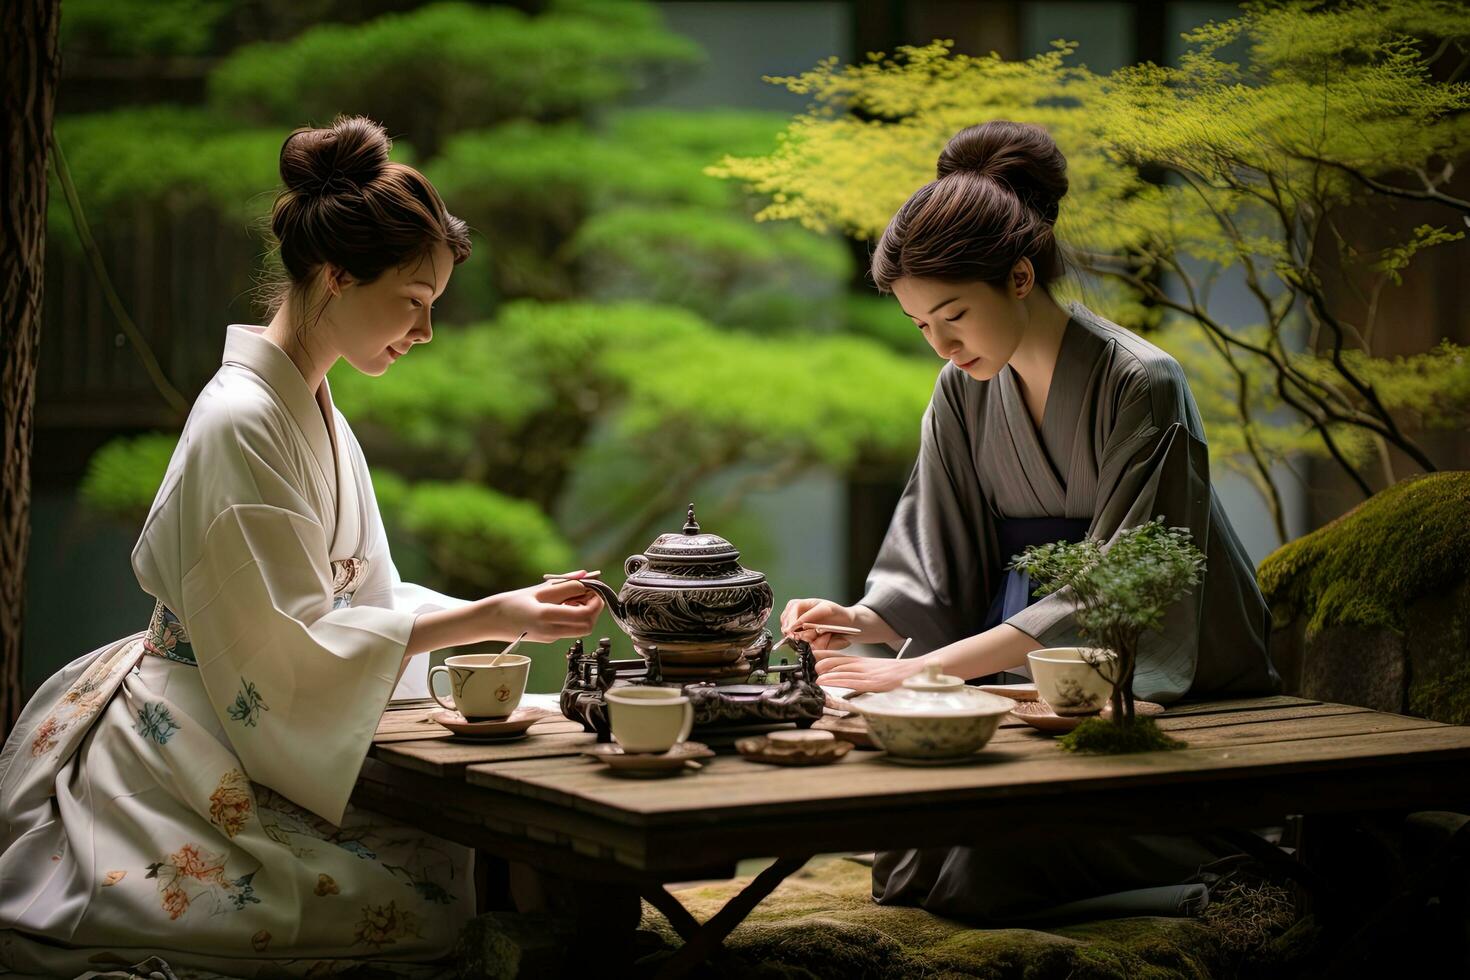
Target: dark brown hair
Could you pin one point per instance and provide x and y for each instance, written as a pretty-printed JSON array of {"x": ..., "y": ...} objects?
[
  {"x": 346, "y": 203},
  {"x": 994, "y": 201}
]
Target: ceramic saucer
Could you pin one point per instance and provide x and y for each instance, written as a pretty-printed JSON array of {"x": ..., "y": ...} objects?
[
  {"x": 794, "y": 748},
  {"x": 1038, "y": 715},
  {"x": 678, "y": 759},
  {"x": 514, "y": 725}
]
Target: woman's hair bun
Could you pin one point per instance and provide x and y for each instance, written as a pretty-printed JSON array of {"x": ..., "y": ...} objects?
[
  {"x": 1023, "y": 157},
  {"x": 343, "y": 157}
]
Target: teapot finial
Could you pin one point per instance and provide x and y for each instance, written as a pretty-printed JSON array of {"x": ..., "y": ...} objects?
[{"x": 691, "y": 526}]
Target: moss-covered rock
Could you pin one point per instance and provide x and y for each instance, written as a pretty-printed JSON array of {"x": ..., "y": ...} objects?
[
  {"x": 1374, "y": 608},
  {"x": 1367, "y": 568},
  {"x": 822, "y": 922}
]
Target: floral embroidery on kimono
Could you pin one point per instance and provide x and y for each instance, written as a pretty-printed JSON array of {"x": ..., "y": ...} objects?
[
  {"x": 248, "y": 704},
  {"x": 384, "y": 925},
  {"x": 46, "y": 736},
  {"x": 191, "y": 875},
  {"x": 156, "y": 723},
  {"x": 229, "y": 804}
]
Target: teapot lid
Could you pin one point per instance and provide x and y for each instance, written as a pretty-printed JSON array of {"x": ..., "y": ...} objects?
[{"x": 691, "y": 545}]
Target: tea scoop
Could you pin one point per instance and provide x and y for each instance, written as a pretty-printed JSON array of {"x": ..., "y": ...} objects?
[{"x": 495, "y": 661}]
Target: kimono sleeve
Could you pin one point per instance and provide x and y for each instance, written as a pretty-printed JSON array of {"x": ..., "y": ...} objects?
[
  {"x": 936, "y": 569},
  {"x": 297, "y": 685},
  {"x": 1153, "y": 463}
]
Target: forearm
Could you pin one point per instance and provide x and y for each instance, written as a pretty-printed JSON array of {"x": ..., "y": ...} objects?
[
  {"x": 875, "y": 628},
  {"x": 473, "y": 622},
  {"x": 1001, "y": 648}
]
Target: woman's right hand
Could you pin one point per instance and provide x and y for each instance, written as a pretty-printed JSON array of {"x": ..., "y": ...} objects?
[
  {"x": 827, "y": 613},
  {"x": 547, "y": 612}
]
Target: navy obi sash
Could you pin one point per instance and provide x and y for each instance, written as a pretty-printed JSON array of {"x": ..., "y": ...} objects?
[{"x": 1015, "y": 536}]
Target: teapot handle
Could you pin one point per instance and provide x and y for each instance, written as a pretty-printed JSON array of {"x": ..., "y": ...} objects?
[{"x": 634, "y": 563}]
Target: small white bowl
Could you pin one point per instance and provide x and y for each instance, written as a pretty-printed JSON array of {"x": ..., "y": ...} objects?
[
  {"x": 934, "y": 716},
  {"x": 1067, "y": 680}
]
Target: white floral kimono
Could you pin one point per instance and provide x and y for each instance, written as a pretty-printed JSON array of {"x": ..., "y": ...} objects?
[{"x": 183, "y": 792}]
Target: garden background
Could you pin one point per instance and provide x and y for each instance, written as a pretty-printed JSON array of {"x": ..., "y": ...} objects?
[{"x": 627, "y": 336}]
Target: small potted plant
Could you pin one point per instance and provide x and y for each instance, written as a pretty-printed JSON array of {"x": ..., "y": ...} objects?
[{"x": 1123, "y": 590}]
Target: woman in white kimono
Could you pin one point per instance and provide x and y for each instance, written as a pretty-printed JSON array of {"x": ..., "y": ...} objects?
[
  {"x": 1046, "y": 424},
  {"x": 182, "y": 794}
]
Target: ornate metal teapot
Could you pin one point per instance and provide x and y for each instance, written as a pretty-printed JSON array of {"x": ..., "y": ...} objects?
[{"x": 688, "y": 591}]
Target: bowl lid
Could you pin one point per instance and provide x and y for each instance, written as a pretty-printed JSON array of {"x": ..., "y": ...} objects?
[{"x": 932, "y": 694}]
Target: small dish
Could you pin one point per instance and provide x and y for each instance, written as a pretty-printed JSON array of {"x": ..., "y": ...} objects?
[
  {"x": 680, "y": 758},
  {"x": 1038, "y": 715},
  {"x": 853, "y": 728},
  {"x": 784, "y": 748},
  {"x": 514, "y": 725}
]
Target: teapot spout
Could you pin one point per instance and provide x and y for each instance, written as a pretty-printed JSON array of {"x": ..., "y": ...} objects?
[{"x": 609, "y": 598}]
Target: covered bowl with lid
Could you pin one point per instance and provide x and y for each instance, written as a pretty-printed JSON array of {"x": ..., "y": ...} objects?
[{"x": 933, "y": 716}]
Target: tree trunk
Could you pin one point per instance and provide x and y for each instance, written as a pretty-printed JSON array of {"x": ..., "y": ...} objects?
[{"x": 31, "y": 60}]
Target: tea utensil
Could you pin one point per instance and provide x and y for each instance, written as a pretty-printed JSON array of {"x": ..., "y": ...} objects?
[
  {"x": 816, "y": 627},
  {"x": 495, "y": 662}
]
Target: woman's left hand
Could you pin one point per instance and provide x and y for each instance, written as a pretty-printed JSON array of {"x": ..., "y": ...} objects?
[{"x": 866, "y": 673}]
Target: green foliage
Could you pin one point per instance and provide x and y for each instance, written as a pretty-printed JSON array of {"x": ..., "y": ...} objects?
[
  {"x": 128, "y": 162},
  {"x": 640, "y": 156},
  {"x": 123, "y": 476},
  {"x": 663, "y": 370},
  {"x": 140, "y": 27},
  {"x": 526, "y": 187},
  {"x": 1101, "y": 737},
  {"x": 449, "y": 67},
  {"x": 480, "y": 541},
  {"x": 879, "y": 318},
  {"x": 716, "y": 263},
  {"x": 1369, "y": 566},
  {"x": 1326, "y": 110},
  {"x": 1123, "y": 587}
]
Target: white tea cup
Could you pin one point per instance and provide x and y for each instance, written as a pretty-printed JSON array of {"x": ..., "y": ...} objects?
[
  {"x": 649, "y": 719},
  {"x": 1074, "y": 680},
  {"x": 481, "y": 687}
]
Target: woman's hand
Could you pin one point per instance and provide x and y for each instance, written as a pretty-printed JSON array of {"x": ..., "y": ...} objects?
[
  {"x": 552, "y": 611},
  {"x": 828, "y": 613},
  {"x": 823, "y": 611},
  {"x": 867, "y": 673}
]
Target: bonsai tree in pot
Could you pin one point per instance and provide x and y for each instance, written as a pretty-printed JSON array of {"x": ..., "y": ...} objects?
[{"x": 1123, "y": 590}]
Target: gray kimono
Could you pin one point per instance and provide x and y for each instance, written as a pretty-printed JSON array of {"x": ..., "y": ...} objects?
[{"x": 1121, "y": 442}]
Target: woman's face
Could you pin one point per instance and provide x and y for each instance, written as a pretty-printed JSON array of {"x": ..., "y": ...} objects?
[
  {"x": 975, "y": 325},
  {"x": 374, "y": 324}
]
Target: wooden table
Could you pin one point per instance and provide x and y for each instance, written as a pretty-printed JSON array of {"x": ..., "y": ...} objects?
[{"x": 1249, "y": 763}]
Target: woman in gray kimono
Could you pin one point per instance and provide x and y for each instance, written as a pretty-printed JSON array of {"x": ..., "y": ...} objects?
[{"x": 1046, "y": 424}]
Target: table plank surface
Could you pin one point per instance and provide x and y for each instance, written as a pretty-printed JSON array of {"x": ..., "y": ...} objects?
[{"x": 1246, "y": 759}]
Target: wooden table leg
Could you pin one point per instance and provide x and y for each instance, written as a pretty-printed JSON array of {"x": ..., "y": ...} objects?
[
  {"x": 708, "y": 937},
  {"x": 686, "y": 925}
]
